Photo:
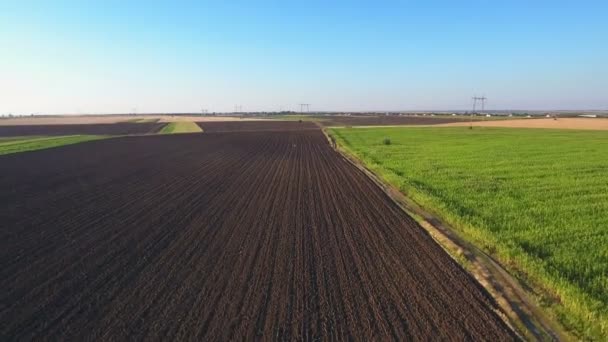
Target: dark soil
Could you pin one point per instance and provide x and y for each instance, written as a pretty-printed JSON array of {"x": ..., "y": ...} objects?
[
  {"x": 250, "y": 126},
  {"x": 122, "y": 128},
  {"x": 223, "y": 236}
]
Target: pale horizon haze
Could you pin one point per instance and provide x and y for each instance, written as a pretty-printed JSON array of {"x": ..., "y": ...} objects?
[{"x": 77, "y": 57}]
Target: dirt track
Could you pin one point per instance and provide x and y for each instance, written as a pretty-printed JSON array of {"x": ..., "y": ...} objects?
[
  {"x": 122, "y": 128},
  {"x": 220, "y": 236}
]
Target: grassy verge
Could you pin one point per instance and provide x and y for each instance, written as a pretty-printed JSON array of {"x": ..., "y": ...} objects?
[
  {"x": 23, "y": 144},
  {"x": 536, "y": 200},
  {"x": 141, "y": 120},
  {"x": 180, "y": 127}
]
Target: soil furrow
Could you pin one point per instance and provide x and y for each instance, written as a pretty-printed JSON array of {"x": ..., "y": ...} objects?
[{"x": 248, "y": 231}]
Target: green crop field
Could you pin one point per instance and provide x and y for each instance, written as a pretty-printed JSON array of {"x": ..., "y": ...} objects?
[
  {"x": 141, "y": 120},
  {"x": 23, "y": 144},
  {"x": 535, "y": 199},
  {"x": 180, "y": 127}
]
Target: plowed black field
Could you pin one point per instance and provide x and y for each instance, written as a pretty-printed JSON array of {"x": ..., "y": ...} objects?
[
  {"x": 249, "y": 126},
  {"x": 123, "y": 128},
  {"x": 220, "y": 236}
]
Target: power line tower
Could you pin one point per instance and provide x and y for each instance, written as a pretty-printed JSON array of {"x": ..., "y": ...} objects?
[
  {"x": 304, "y": 105},
  {"x": 483, "y": 103},
  {"x": 481, "y": 99}
]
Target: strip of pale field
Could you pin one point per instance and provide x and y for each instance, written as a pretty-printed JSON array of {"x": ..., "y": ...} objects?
[
  {"x": 180, "y": 127},
  {"x": 64, "y": 120},
  {"x": 193, "y": 118},
  {"x": 143, "y": 120},
  {"x": 534, "y": 199},
  {"x": 24, "y": 144},
  {"x": 565, "y": 123},
  {"x": 106, "y": 119}
]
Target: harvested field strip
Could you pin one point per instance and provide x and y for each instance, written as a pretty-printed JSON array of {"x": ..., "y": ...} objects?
[
  {"x": 261, "y": 235},
  {"x": 123, "y": 128},
  {"x": 391, "y": 120},
  {"x": 562, "y": 123},
  {"x": 180, "y": 127},
  {"x": 24, "y": 144}
]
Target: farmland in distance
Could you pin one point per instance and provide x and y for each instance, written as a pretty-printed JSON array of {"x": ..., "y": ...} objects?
[{"x": 535, "y": 199}]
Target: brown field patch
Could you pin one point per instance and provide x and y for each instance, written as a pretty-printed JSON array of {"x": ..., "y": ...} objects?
[
  {"x": 385, "y": 120},
  {"x": 564, "y": 123}
]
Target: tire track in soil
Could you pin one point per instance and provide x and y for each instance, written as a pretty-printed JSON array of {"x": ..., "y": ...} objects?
[{"x": 217, "y": 236}]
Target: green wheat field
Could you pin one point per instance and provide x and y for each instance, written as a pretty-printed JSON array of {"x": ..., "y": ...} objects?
[{"x": 536, "y": 199}]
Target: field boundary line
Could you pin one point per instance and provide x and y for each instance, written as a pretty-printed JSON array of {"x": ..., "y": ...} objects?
[{"x": 517, "y": 309}]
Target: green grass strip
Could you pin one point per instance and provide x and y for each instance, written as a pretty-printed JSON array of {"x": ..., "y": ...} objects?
[
  {"x": 180, "y": 127},
  {"x": 535, "y": 199},
  {"x": 23, "y": 144},
  {"x": 141, "y": 120}
]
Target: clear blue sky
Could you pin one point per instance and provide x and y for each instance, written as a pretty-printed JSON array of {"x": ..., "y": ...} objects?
[{"x": 177, "y": 56}]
